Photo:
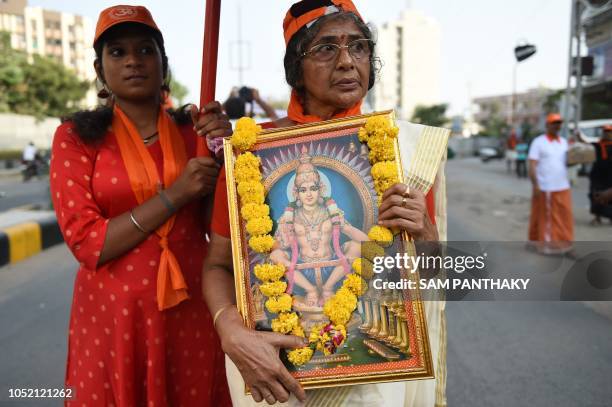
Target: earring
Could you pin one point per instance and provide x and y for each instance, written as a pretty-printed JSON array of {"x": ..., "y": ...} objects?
[
  {"x": 104, "y": 93},
  {"x": 298, "y": 202}
]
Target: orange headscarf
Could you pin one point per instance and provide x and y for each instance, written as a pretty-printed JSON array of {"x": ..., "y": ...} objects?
[
  {"x": 145, "y": 182},
  {"x": 307, "y": 11}
]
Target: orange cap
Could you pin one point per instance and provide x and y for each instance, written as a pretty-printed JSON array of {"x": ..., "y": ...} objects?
[
  {"x": 123, "y": 14},
  {"x": 307, "y": 11},
  {"x": 553, "y": 118}
]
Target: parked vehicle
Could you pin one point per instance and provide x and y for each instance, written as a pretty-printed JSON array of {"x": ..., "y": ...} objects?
[{"x": 490, "y": 153}]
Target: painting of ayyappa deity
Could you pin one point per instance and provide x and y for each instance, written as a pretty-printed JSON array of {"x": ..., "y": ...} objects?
[{"x": 322, "y": 201}]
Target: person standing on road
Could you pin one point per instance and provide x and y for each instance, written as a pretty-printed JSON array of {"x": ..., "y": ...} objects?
[
  {"x": 551, "y": 226},
  {"x": 510, "y": 150},
  {"x": 29, "y": 158},
  {"x": 601, "y": 177},
  {"x": 521, "y": 158},
  {"x": 126, "y": 187}
]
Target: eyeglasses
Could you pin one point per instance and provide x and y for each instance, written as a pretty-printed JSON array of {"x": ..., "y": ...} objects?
[{"x": 358, "y": 49}]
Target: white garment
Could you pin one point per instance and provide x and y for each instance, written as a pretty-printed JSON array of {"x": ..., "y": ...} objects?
[
  {"x": 29, "y": 153},
  {"x": 551, "y": 169}
]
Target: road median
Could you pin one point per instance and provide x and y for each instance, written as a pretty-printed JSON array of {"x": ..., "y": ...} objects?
[{"x": 24, "y": 233}]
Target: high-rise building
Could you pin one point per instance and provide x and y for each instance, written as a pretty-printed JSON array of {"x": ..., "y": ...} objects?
[
  {"x": 64, "y": 37},
  {"x": 409, "y": 49}
]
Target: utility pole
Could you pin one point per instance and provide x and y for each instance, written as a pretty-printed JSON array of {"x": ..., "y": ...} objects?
[
  {"x": 240, "y": 44},
  {"x": 238, "y": 61},
  {"x": 573, "y": 93}
]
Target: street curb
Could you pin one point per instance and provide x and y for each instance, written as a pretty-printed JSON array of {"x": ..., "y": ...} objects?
[{"x": 18, "y": 242}]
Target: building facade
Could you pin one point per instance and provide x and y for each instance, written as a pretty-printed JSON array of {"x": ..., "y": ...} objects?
[
  {"x": 410, "y": 52},
  {"x": 531, "y": 107},
  {"x": 597, "y": 88},
  {"x": 64, "y": 37}
]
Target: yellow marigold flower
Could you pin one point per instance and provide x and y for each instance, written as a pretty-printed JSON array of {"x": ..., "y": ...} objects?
[
  {"x": 369, "y": 250},
  {"x": 363, "y": 135},
  {"x": 300, "y": 356},
  {"x": 381, "y": 126},
  {"x": 376, "y": 156},
  {"x": 384, "y": 170},
  {"x": 273, "y": 288},
  {"x": 298, "y": 331},
  {"x": 247, "y": 123},
  {"x": 247, "y": 160},
  {"x": 355, "y": 284},
  {"x": 364, "y": 268},
  {"x": 254, "y": 210},
  {"x": 245, "y": 134},
  {"x": 381, "y": 235},
  {"x": 281, "y": 303},
  {"x": 261, "y": 244},
  {"x": 321, "y": 343},
  {"x": 346, "y": 299},
  {"x": 340, "y": 307},
  {"x": 259, "y": 226},
  {"x": 314, "y": 335},
  {"x": 247, "y": 175},
  {"x": 337, "y": 315},
  {"x": 251, "y": 192},
  {"x": 382, "y": 185},
  {"x": 269, "y": 272},
  {"x": 381, "y": 149},
  {"x": 285, "y": 323}
]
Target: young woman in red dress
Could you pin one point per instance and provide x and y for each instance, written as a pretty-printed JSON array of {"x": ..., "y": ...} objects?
[{"x": 126, "y": 186}]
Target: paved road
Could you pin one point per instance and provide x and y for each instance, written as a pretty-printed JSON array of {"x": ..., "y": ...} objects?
[
  {"x": 499, "y": 354},
  {"x": 14, "y": 192},
  {"x": 520, "y": 353},
  {"x": 34, "y": 306}
]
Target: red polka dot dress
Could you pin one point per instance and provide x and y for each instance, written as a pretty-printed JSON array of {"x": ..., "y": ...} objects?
[{"x": 123, "y": 351}]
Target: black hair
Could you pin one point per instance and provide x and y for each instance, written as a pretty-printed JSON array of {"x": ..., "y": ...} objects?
[
  {"x": 304, "y": 36},
  {"x": 234, "y": 107},
  {"x": 92, "y": 125}
]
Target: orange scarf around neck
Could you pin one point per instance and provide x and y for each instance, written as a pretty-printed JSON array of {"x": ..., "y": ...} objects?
[
  {"x": 295, "y": 111},
  {"x": 145, "y": 182}
]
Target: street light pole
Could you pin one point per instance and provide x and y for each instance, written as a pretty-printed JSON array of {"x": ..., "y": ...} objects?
[
  {"x": 521, "y": 53},
  {"x": 513, "y": 107}
]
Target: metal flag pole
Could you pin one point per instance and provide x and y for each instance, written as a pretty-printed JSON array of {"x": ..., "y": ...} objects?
[{"x": 210, "y": 49}]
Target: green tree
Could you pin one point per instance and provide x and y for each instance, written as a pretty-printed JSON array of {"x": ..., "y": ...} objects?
[
  {"x": 527, "y": 130},
  {"x": 178, "y": 91},
  {"x": 40, "y": 86},
  {"x": 434, "y": 115},
  {"x": 551, "y": 102},
  {"x": 493, "y": 125}
]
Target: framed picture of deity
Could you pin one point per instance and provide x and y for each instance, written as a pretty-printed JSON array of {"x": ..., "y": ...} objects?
[{"x": 303, "y": 204}]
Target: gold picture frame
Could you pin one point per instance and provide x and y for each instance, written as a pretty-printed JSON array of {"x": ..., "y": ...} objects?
[{"x": 401, "y": 350}]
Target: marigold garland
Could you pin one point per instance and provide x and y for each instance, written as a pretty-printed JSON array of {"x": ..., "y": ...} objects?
[
  {"x": 381, "y": 235},
  {"x": 379, "y": 134}
]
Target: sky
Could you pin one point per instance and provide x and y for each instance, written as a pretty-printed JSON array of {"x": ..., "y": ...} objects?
[{"x": 478, "y": 38}]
